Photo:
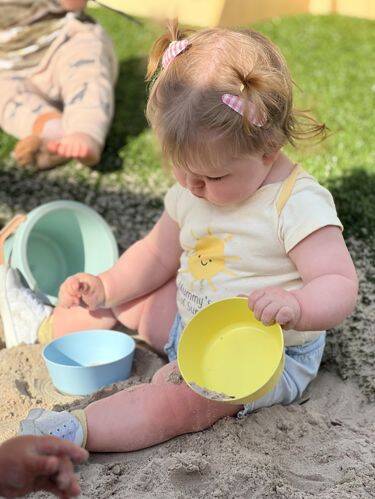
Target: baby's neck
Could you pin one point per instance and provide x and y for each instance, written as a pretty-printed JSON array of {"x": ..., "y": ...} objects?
[{"x": 280, "y": 170}]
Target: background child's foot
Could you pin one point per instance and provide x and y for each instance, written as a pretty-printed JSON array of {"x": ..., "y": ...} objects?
[
  {"x": 63, "y": 425},
  {"x": 78, "y": 146},
  {"x": 22, "y": 312},
  {"x": 32, "y": 150}
]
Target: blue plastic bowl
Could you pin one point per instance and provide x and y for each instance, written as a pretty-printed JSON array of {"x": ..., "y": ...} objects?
[{"x": 81, "y": 363}]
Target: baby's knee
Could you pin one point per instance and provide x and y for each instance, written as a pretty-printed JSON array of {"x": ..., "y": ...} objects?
[
  {"x": 198, "y": 412},
  {"x": 168, "y": 374},
  {"x": 190, "y": 410}
]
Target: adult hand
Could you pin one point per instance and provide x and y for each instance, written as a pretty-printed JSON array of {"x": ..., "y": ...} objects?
[{"x": 29, "y": 463}]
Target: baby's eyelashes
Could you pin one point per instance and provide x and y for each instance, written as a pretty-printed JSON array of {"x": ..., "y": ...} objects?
[{"x": 215, "y": 179}]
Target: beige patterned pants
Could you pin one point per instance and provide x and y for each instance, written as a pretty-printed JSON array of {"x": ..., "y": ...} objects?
[{"x": 76, "y": 76}]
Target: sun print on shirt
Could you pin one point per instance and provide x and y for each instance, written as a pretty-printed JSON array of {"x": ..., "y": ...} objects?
[{"x": 207, "y": 258}]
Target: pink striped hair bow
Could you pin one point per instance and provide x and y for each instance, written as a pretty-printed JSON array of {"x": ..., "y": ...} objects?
[
  {"x": 175, "y": 48},
  {"x": 237, "y": 104}
]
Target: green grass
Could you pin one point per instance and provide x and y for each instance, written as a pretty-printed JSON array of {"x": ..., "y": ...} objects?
[{"x": 331, "y": 61}]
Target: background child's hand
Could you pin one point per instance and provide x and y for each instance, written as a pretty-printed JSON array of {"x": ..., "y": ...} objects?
[
  {"x": 83, "y": 289},
  {"x": 30, "y": 463},
  {"x": 272, "y": 305}
]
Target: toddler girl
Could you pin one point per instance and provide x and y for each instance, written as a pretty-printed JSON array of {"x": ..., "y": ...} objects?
[
  {"x": 57, "y": 75},
  {"x": 241, "y": 219}
]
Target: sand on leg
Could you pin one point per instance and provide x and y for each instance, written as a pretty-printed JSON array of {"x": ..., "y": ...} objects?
[{"x": 149, "y": 414}]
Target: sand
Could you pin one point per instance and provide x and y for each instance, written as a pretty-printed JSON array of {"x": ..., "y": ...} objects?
[{"x": 321, "y": 447}]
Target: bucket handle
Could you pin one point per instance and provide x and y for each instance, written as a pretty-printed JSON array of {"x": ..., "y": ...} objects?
[{"x": 7, "y": 231}]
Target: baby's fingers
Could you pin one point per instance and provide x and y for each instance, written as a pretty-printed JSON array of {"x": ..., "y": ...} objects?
[
  {"x": 74, "y": 285},
  {"x": 284, "y": 316},
  {"x": 90, "y": 298},
  {"x": 71, "y": 291},
  {"x": 83, "y": 288},
  {"x": 254, "y": 297},
  {"x": 93, "y": 293},
  {"x": 260, "y": 306},
  {"x": 67, "y": 300},
  {"x": 270, "y": 313}
]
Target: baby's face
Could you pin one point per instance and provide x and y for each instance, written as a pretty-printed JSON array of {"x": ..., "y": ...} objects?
[{"x": 232, "y": 184}]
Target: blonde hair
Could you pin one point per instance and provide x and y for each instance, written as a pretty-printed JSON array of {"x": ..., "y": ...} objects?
[{"x": 185, "y": 107}]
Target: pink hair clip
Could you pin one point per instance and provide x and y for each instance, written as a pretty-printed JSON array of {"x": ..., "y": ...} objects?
[
  {"x": 237, "y": 104},
  {"x": 174, "y": 48}
]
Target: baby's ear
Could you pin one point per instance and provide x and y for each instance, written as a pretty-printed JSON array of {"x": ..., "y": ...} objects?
[{"x": 270, "y": 158}]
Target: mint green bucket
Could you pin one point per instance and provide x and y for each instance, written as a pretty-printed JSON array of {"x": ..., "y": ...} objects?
[{"x": 58, "y": 240}]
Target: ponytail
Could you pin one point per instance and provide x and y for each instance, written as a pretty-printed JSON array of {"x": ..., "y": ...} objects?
[
  {"x": 161, "y": 44},
  {"x": 263, "y": 89}
]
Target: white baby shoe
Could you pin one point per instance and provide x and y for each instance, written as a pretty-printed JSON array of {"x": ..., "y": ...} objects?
[
  {"x": 22, "y": 312},
  {"x": 63, "y": 425}
]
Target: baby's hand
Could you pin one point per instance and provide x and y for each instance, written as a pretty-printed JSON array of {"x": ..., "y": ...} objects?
[
  {"x": 30, "y": 463},
  {"x": 272, "y": 305},
  {"x": 83, "y": 289}
]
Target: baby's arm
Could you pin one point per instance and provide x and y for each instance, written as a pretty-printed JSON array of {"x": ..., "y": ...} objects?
[
  {"x": 145, "y": 266},
  {"x": 73, "y": 4},
  {"x": 330, "y": 281},
  {"x": 329, "y": 291}
]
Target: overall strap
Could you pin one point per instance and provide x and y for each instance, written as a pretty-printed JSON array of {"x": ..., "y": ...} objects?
[{"x": 287, "y": 188}]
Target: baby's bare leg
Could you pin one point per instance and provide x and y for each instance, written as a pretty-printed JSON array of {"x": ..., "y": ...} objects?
[
  {"x": 70, "y": 320},
  {"x": 151, "y": 315},
  {"x": 148, "y": 414}
]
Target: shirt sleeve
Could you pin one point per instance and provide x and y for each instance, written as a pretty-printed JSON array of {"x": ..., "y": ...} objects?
[{"x": 309, "y": 208}]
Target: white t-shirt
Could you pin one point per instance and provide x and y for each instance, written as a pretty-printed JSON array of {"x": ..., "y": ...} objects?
[{"x": 233, "y": 250}]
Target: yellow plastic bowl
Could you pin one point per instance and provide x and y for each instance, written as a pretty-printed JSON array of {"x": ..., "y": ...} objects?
[{"x": 226, "y": 354}]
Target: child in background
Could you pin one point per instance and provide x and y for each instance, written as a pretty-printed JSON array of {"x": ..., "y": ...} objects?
[
  {"x": 57, "y": 76},
  {"x": 222, "y": 109},
  {"x": 31, "y": 463}
]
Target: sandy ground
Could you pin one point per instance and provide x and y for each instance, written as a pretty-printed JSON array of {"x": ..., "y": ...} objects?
[{"x": 322, "y": 447}]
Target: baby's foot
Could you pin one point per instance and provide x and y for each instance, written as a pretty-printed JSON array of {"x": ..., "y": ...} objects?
[
  {"x": 63, "y": 425},
  {"x": 80, "y": 146},
  {"x": 32, "y": 151},
  {"x": 22, "y": 312}
]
